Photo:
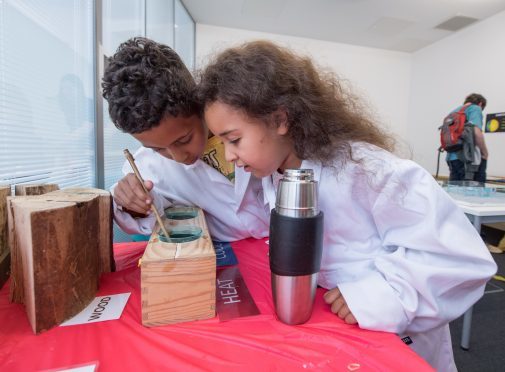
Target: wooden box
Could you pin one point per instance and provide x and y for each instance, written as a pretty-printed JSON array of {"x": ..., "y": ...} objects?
[{"x": 178, "y": 279}]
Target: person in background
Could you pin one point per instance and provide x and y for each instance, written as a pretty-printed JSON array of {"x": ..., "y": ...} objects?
[
  {"x": 398, "y": 254},
  {"x": 150, "y": 93},
  {"x": 475, "y": 104}
]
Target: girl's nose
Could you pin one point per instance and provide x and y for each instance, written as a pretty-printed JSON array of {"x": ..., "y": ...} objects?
[{"x": 229, "y": 155}]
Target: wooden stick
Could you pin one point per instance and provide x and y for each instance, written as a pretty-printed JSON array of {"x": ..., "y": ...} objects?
[{"x": 131, "y": 160}]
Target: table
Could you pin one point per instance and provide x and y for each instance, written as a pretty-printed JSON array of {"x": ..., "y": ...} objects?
[
  {"x": 478, "y": 212},
  {"x": 253, "y": 343}
]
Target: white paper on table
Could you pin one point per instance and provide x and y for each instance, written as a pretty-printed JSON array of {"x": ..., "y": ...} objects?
[
  {"x": 84, "y": 368},
  {"x": 102, "y": 308}
]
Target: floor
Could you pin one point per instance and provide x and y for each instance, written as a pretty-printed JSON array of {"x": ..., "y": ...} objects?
[{"x": 487, "y": 343}]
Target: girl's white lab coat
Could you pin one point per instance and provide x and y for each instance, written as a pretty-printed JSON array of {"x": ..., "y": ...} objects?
[
  {"x": 405, "y": 257},
  {"x": 232, "y": 211}
]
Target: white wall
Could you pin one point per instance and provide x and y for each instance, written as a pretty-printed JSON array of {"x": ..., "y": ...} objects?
[
  {"x": 470, "y": 61},
  {"x": 411, "y": 93},
  {"x": 381, "y": 77}
]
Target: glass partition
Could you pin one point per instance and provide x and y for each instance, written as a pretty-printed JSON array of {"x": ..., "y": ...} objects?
[
  {"x": 47, "y": 92},
  {"x": 184, "y": 35}
]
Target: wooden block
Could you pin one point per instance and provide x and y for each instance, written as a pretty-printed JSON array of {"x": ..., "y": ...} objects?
[
  {"x": 55, "y": 265},
  {"x": 178, "y": 280},
  {"x": 104, "y": 222},
  {"x": 104, "y": 237},
  {"x": 34, "y": 189},
  {"x": 5, "y": 191},
  {"x": 16, "y": 266},
  {"x": 16, "y": 288}
]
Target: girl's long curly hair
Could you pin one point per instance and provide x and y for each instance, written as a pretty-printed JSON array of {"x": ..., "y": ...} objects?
[{"x": 324, "y": 118}]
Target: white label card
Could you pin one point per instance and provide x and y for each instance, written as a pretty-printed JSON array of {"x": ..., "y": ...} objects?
[
  {"x": 101, "y": 309},
  {"x": 84, "y": 368},
  {"x": 88, "y": 368}
]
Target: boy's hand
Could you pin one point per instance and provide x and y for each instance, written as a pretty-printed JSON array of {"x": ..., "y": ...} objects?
[
  {"x": 338, "y": 306},
  {"x": 130, "y": 195}
]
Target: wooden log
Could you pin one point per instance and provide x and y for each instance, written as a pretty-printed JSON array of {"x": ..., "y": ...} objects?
[
  {"x": 178, "y": 280},
  {"x": 56, "y": 268},
  {"x": 105, "y": 235},
  {"x": 5, "y": 191},
  {"x": 34, "y": 189},
  {"x": 16, "y": 288},
  {"x": 18, "y": 283},
  {"x": 103, "y": 238}
]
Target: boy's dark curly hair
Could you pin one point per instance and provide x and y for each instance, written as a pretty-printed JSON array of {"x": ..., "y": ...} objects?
[
  {"x": 145, "y": 81},
  {"x": 323, "y": 118}
]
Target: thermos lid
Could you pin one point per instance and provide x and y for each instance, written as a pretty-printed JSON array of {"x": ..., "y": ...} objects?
[
  {"x": 297, "y": 194},
  {"x": 298, "y": 175}
]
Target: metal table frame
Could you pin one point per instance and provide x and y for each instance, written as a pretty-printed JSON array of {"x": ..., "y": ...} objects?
[{"x": 477, "y": 214}]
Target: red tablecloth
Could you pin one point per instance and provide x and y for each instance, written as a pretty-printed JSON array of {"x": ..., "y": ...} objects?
[{"x": 255, "y": 343}]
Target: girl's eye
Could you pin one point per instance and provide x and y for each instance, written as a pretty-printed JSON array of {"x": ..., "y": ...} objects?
[{"x": 235, "y": 141}]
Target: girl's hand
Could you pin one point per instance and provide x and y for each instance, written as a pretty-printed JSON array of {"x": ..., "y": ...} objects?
[{"x": 338, "y": 305}]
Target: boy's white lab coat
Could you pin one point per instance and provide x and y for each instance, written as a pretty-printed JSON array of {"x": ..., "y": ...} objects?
[
  {"x": 405, "y": 257},
  {"x": 232, "y": 211}
]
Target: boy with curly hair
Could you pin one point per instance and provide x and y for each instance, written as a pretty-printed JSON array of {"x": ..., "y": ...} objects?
[{"x": 151, "y": 95}]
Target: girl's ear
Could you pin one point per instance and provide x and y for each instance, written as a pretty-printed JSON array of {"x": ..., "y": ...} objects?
[{"x": 281, "y": 121}]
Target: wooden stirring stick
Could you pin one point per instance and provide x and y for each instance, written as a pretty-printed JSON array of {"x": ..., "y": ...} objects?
[{"x": 131, "y": 160}]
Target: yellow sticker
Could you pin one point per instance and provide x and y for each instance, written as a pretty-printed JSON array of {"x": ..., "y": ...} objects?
[{"x": 213, "y": 155}]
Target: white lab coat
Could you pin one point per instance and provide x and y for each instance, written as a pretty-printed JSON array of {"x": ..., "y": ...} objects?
[
  {"x": 232, "y": 211},
  {"x": 405, "y": 257}
]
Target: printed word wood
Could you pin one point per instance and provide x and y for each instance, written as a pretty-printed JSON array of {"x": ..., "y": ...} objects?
[{"x": 178, "y": 280}]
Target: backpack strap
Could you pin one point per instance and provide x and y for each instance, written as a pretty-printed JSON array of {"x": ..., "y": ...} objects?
[{"x": 464, "y": 107}]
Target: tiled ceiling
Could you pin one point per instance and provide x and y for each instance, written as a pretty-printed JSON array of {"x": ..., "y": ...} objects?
[{"x": 401, "y": 25}]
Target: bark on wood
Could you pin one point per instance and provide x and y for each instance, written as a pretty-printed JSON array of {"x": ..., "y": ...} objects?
[
  {"x": 58, "y": 255},
  {"x": 5, "y": 191},
  {"x": 105, "y": 235},
  {"x": 34, "y": 189},
  {"x": 60, "y": 243},
  {"x": 16, "y": 289}
]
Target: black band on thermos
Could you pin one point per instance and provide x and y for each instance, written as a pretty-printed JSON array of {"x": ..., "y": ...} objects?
[{"x": 295, "y": 244}]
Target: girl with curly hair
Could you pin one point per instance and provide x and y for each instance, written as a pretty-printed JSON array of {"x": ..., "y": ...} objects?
[{"x": 398, "y": 254}]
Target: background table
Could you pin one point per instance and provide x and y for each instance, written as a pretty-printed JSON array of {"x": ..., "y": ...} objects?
[
  {"x": 255, "y": 343},
  {"x": 478, "y": 212}
]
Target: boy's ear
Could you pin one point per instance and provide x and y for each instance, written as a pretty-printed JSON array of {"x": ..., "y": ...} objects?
[{"x": 280, "y": 118}]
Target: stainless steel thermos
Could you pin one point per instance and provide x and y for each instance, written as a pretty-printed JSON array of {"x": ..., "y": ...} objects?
[{"x": 296, "y": 237}]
